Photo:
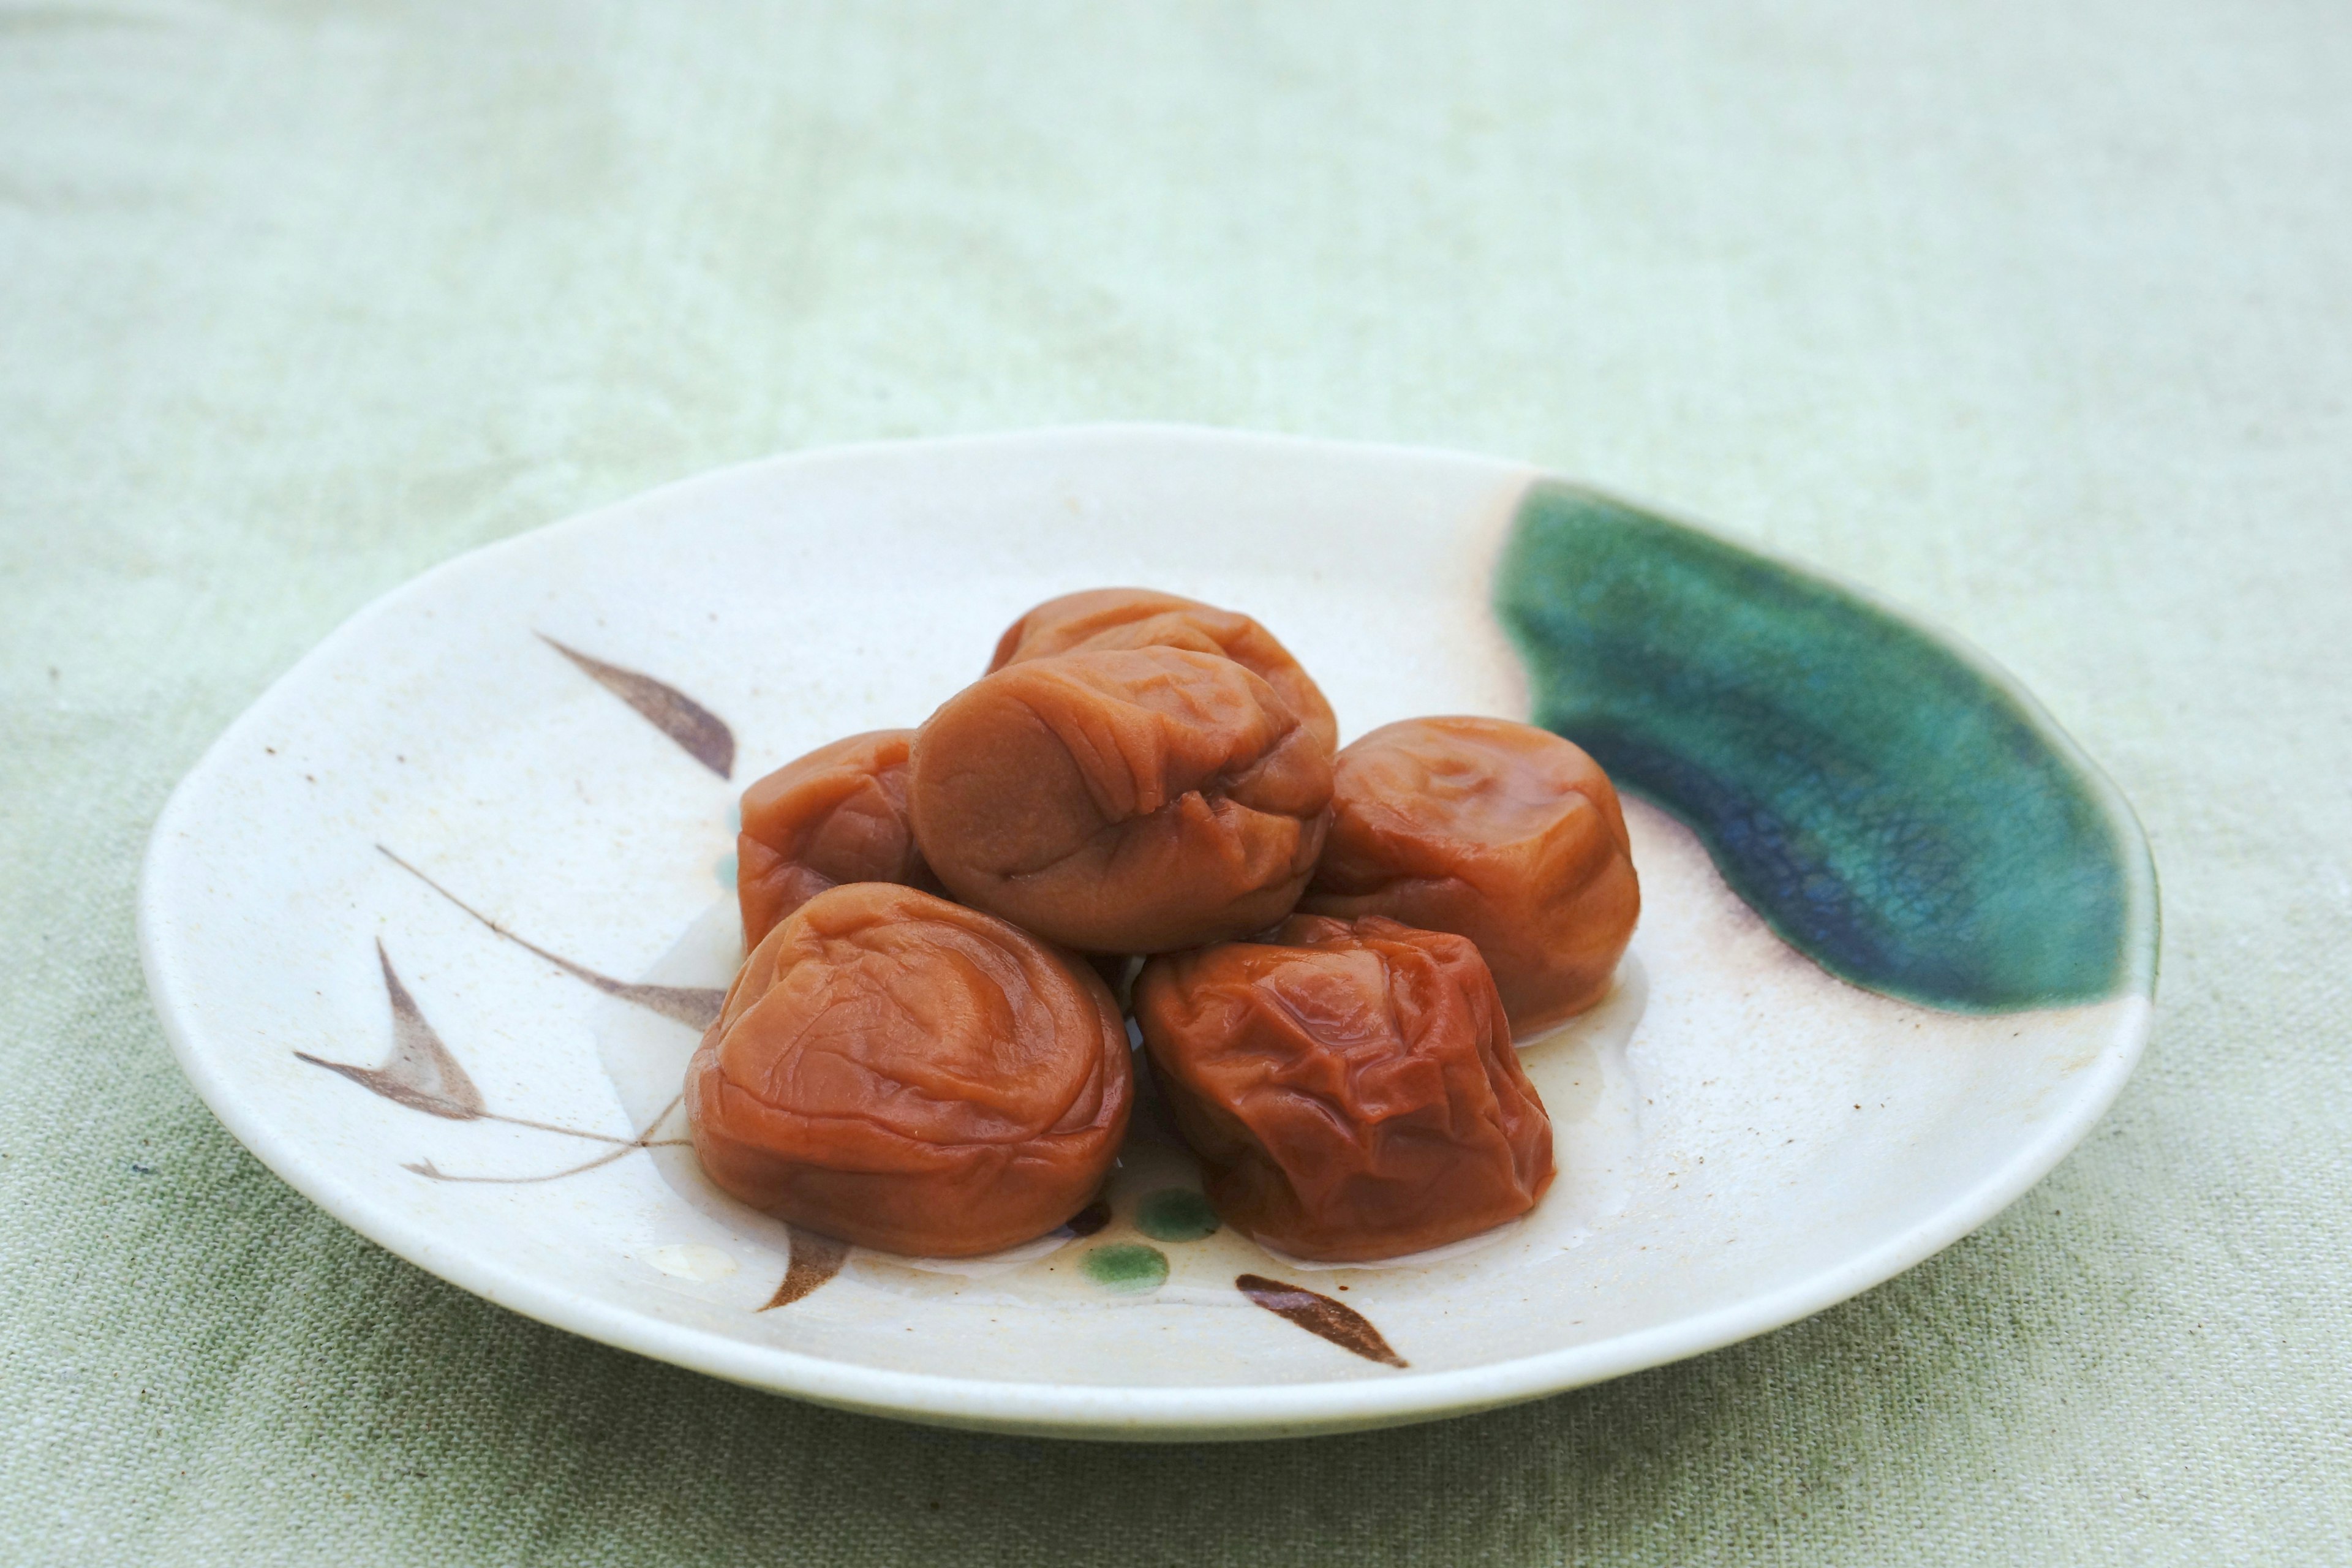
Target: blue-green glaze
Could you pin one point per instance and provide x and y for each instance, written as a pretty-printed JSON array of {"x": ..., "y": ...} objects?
[{"x": 1897, "y": 810}]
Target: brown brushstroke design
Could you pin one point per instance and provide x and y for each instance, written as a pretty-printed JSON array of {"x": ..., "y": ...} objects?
[
  {"x": 703, "y": 734},
  {"x": 420, "y": 1073},
  {"x": 423, "y": 1075},
  {"x": 696, "y": 1006},
  {"x": 1087, "y": 1220},
  {"x": 426, "y": 1168},
  {"x": 1320, "y": 1316},
  {"x": 815, "y": 1260},
  {"x": 644, "y": 1140}
]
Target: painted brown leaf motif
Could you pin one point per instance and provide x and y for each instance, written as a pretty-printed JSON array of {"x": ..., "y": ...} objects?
[
  {"x": 815, "y": 1260},
  {"x": 420, "y": 1073},
  {"x": 696, "y": 1006},
  {"x": 1320, "y": 1316},
  {"x": 704, "y": 735},
  {"x": 619, "y": 1146}
]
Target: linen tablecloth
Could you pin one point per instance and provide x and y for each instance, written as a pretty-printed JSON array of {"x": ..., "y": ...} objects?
[{"x": 2038, "y": 318}]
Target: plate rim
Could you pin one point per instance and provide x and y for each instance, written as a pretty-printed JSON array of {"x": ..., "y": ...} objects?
[{"x": 1151, "y": 1411}]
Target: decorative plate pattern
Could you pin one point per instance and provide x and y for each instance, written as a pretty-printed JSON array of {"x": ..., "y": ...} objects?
[{"x": 435, "y": 925}]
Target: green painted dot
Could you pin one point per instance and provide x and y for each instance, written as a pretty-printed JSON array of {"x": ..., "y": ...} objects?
[
  {"x": 1175, "y": 1214},
  {"x": 726, "y": 871},
  {"x": 1127, "y": 1267}
]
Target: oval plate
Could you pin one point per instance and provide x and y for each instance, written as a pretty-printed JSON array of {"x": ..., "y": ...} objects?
[{"x": 434, "y": 926}]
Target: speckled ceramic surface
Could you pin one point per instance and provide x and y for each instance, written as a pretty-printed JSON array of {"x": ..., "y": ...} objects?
[{"x": 434, "y": 926}]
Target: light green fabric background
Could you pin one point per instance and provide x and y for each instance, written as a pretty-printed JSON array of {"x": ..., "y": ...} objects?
[{"x": 2037, "y": 318}]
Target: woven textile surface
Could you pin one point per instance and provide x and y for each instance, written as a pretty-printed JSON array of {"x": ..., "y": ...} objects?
[{"x": 2035, "y": 319}]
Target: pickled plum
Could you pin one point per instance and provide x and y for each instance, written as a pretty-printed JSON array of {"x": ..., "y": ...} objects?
[
  {"x": 1140, "y": 617},
  {"x": 1350, "y": 1088},
  {"x": 904, "y": 1073},
  {"x": 1499, "y": 831},
  {"x": 1122, "y": 801},
  {"x": 837, "y": 815}
]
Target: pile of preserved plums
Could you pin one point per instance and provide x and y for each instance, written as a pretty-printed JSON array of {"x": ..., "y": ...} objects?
[{"x": 926, "y": 1052}]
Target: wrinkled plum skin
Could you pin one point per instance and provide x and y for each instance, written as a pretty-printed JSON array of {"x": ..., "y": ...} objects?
[
  {"x": 1138, "y": 617},
  {"x": 1350, "y": 1089},
  {"x": 907, "y": 1074},
  {"x": 837, "y": 815},
  {"x": 1122, "y": 801},
  {"x": 1499, "y": 831}
]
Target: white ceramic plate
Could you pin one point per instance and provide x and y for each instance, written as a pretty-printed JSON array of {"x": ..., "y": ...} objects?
[{"x": 430, "y": 928}]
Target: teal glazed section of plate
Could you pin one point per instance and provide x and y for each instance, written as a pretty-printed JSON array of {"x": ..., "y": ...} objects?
[{"x": 1897, "y": 810}]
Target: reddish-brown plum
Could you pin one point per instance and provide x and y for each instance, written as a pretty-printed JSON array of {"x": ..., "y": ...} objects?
[
  {"x": 1122, "y": 800},
  {"x": 1140, "y": 617},
  {"x": 1350, "y": 1088},
  {"x": 1499, "y": 831},
  {"x": 904, "y": 1073},
  {"x": 837, "y": 815}
]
